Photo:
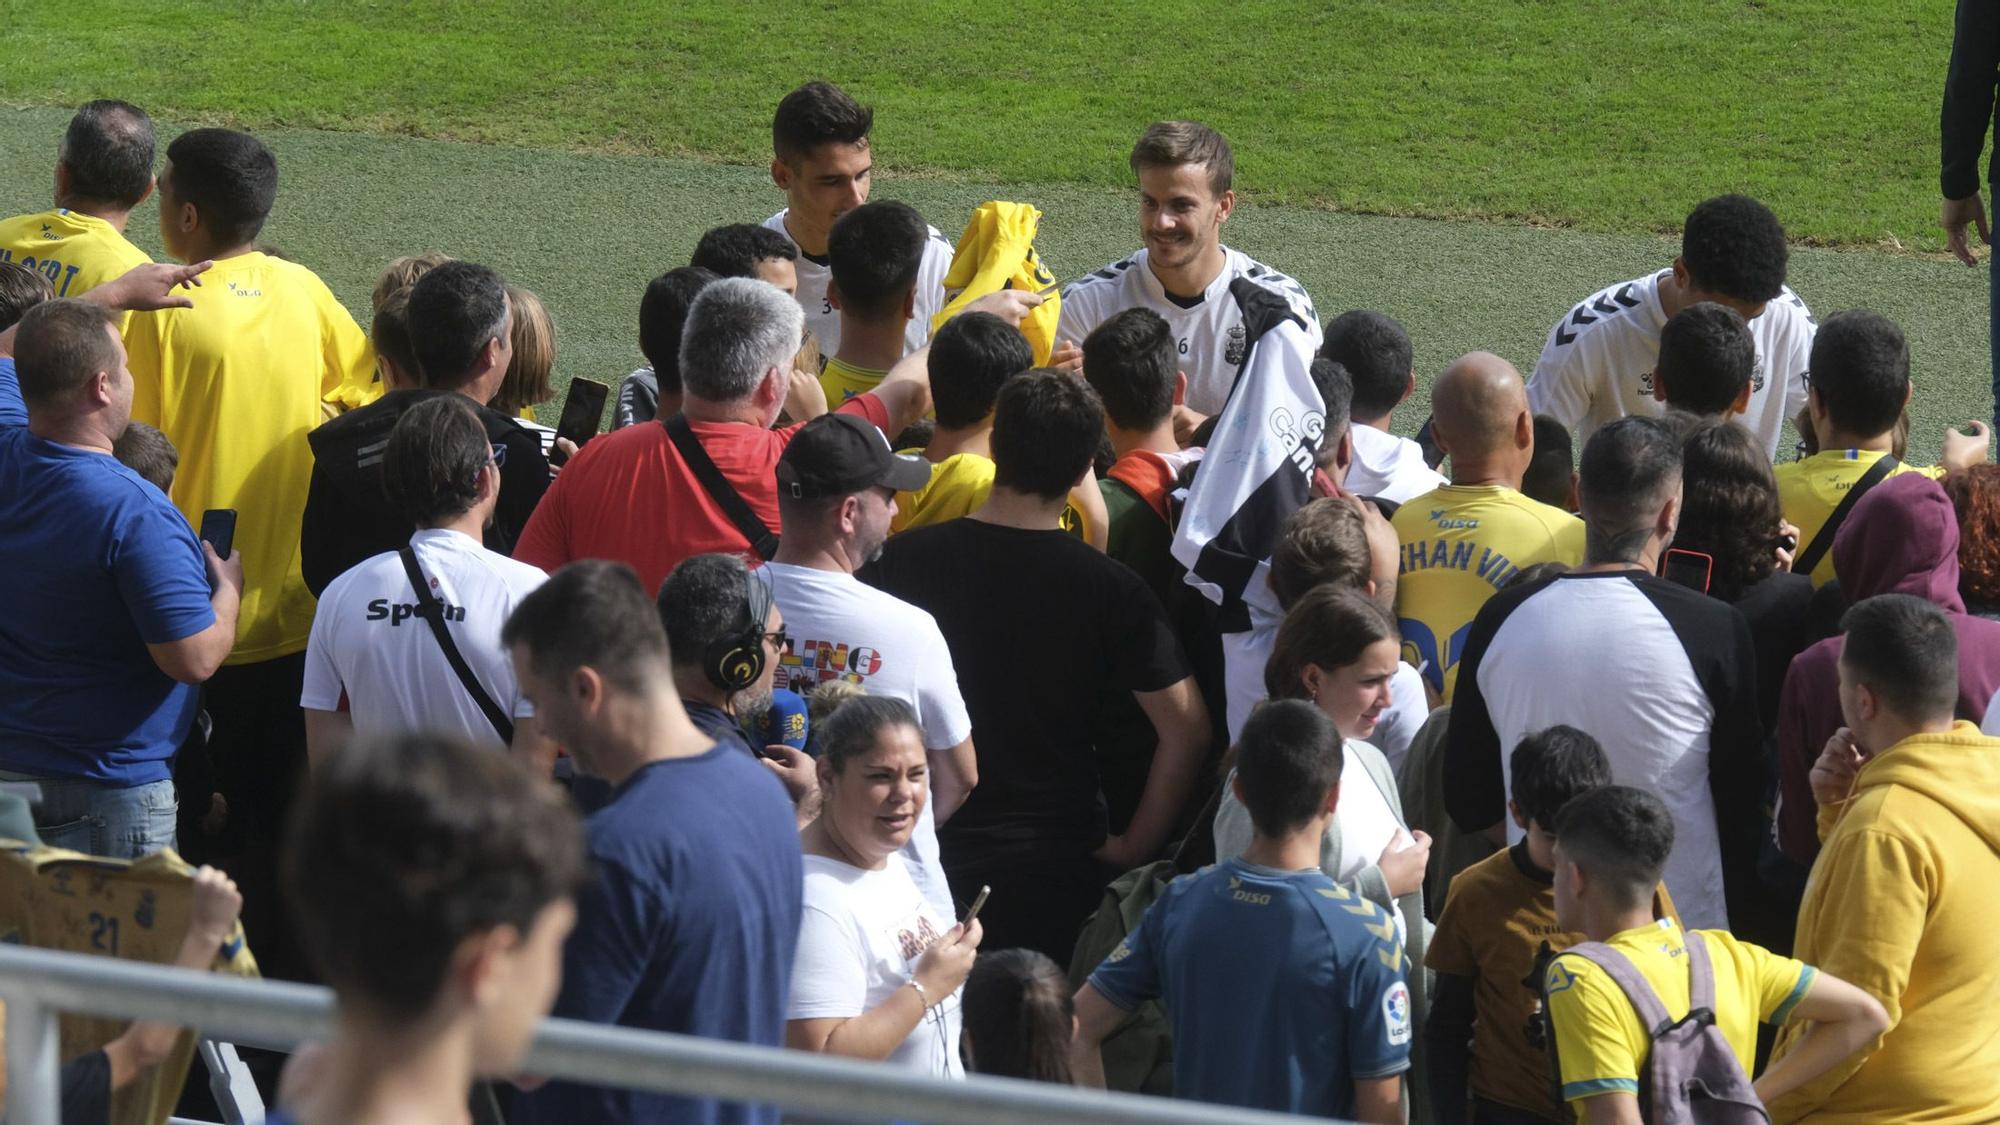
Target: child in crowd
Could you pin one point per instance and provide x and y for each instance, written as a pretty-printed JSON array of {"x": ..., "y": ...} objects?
[{"x": 1019, "y": 1017}]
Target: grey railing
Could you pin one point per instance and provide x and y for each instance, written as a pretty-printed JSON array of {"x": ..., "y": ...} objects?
[{"x": 38, "y": 985}]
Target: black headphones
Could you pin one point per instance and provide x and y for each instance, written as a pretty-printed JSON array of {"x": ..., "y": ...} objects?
[{"x": 734, "y": 660}]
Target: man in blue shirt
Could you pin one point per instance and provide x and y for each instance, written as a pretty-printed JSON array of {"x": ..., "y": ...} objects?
[
  {"x": 111, "y": 612},
  {"x": 693, "y": 919},
  {"x": 1285, "y": 990}
]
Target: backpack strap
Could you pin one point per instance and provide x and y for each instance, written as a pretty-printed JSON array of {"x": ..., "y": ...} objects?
[
  {"x": 432, "y": 611},
  {"x": 1701, "y": 975},
  {"x": 1652, "y": 1013},
  {"x": 737, "y": 509},
  {"x": 1808, "y": 560}
]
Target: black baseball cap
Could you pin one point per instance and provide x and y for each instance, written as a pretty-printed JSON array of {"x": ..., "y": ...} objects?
[{"x": 839, "y": 454}]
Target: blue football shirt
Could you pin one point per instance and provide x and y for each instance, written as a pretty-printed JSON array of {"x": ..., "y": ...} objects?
[{"x": 1282, "y": 987}]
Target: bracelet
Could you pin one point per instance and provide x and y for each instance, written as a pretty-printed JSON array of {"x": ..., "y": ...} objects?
[{"x": 923, "y": 997}]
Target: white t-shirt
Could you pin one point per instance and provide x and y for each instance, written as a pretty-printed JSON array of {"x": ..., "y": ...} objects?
[
  {"x": 1209, "y": 335},
  {"x": 1598, "y": 363},
  {"x": 860, "y": 936},
  {"x": 823, "y": 320},
  {"x": 1388, "y": 466},
  {"x": 1244, "y": 656},
  {"x": 368, "y": 642},
  {"x": 843, "y": 628}
]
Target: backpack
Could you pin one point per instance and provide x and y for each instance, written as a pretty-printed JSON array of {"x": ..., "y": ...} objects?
[{"x": 1691, "y": 1076}]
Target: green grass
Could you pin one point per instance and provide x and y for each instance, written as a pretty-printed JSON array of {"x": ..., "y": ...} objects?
[
  {"x": 1603, "y": 117},
  {"x": 587, "y": 230}
]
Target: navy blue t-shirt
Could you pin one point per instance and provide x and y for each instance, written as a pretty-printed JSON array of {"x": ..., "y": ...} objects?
[
  {"x": 97, "y": 564},
  {"x": 13, "y": 408},
  {"x": 689, "y": 926},
  {"x": 1282, "y": 987}
]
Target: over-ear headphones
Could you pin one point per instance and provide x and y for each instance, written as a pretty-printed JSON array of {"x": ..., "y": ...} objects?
[{"x": 735, "y": 660}]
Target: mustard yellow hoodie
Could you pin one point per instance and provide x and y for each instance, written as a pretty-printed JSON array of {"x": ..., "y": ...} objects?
[{"x": 1904, "y": 902}]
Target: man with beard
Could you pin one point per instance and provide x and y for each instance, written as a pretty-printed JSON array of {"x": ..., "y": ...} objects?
[
  {"x": 837, "y": 485},
  {"x": 1184, "y": 272}
]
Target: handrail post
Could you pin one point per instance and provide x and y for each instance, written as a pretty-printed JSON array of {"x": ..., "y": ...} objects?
[{"x": 34, "y": 1064}]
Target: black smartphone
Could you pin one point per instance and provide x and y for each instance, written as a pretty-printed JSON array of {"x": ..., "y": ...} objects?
[
  {"x": 582, "y": 411},
  {"x": 218, "y": 529},
  {"x": 1692, "y": 569},
  {"x": 973, "y": 911}
]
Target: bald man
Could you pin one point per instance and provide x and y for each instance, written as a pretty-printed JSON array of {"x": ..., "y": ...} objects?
[{"x": 1464, "y": 540}]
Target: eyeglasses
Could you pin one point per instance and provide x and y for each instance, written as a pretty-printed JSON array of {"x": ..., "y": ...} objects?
[
  {"x": 778, "y": 639},
  {"x": 499, "y": 456}
]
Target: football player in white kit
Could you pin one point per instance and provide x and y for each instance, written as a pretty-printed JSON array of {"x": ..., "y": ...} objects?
[
  {"x": 1598, "y": 362},
  {"x": 822, "y": 161},
  {"x": 1184, "y": 271}
]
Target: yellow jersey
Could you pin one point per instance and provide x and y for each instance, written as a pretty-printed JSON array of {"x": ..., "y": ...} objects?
[
  {"x": 959, "y": 484},
  {"x": 76, "y": 252},
  {"x": 843, "y": 381},
  {"x": 1601, "y": 1046},
  {"x": 1458, "y": 544},
  {"x": 1811, "y": 489},
  {"x": 235, "y": 383}
]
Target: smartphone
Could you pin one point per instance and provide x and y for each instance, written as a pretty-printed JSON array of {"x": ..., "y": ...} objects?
[
  {"x": 973, "y": 911},
  {"x": 218, "y": 529},
  {"x": 582, "y": 411},
  {"x": 1692, "y": 569}
]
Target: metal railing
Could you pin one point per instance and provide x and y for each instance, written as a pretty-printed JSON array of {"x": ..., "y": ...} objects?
[{"x": 39, "y": 984}]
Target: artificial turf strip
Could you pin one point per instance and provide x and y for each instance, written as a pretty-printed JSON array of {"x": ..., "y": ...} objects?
[
  {"x": 1606, "y": 117},
  {"x": 587, "y": 231}
]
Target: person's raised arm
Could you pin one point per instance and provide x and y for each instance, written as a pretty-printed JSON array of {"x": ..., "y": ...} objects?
[
  {"x": 1180, "y": 720},
  {"x": 194, "y": 658},
  {"x": 1844, "y": 1020},
  {"x": 211, "y": 921},
  {"x": 1964, "y": 448}
]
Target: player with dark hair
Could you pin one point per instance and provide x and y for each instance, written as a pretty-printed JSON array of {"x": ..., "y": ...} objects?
[
  {"x": 1375, "y": 350},
  {"x": 1184, "y": 272},
  {"x": 876, "y": 255},
  {"x": 104, "y": 169},
  {"x": 1599, "y": 360},
  {"x": 823, "y": 161}
]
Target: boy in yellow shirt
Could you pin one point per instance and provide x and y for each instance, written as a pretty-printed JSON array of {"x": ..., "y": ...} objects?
[
  {"x": 971, "y": 357},
  {"x": 1855, "y": 394},
  {"x": 103, "y": 170},
  {"x": 1611, "y": 847},
  {"x": 236, "y": 383}
]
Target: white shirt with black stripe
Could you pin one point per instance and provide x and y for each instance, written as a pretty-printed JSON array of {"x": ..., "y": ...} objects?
[
  {"x": 1208, "y": 332},
  {"x": 1662, "y": 676},
  {"x": 1597, "y": 364},
  {"x": 823, "y": 320}
]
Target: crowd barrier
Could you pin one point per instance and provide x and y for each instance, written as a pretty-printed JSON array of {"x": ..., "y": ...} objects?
[{"x": 39, "y": 984}]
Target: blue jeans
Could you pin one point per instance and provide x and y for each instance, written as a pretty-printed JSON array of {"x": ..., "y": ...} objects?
[{"x": 97, "y": 819}]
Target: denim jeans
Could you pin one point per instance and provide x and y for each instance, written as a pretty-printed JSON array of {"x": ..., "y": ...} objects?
[{"x": 97, "y": 819}]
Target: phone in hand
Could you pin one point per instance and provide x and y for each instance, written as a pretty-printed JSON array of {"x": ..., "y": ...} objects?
[
  {"x": 218, "y": 530},
  {"x": 581, "y": 413},
  {"x": 973, "y": 910}
]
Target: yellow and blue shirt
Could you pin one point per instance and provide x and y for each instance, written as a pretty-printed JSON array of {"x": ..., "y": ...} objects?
[
  {"x": 1810, "y": 489},
  {"x": 843, "y": 381},
  {"x": 76, "y": 252}
]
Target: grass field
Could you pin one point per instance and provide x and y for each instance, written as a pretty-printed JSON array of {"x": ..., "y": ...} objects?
[
  {"x": 611, "y": 137},
  {"x": 1606, "y": 117}
]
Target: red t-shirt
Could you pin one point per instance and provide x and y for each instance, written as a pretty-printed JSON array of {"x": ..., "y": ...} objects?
[{"x": 628, "y": 496}]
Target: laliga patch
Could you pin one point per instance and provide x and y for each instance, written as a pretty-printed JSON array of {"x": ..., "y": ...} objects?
[{"x": 1396, "y": 1013}]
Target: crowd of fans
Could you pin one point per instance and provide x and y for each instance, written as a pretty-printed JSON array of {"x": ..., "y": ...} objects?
[{"x": 1593, "y": 767}]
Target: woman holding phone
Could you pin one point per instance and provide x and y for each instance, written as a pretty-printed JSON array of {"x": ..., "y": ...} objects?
[{"x": 878, "y": 973}]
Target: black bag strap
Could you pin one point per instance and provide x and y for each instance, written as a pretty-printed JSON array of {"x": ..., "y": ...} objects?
[
  {"x": 432, "y": 611},
  {"x": 1808, "y": 559},
  {"x": 762, "y": 541}
]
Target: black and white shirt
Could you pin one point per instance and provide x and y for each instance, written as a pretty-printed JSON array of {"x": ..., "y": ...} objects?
[
  {"x": 1209, "y": 331},
  {"x": 823, "y": 320},
  {"x": 1597, "y": 365},
  {"x": 1663, "y": 677}
]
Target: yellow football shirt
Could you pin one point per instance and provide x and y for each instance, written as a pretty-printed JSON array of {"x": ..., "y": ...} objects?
[
  {"x": 1811, "y": 489},
  {"x": 76, "y": 252},
  {"x": 959, "y": 484},
  {"x": 843, "y": 381},
  {"x": 1459, "y": 543},
  {"x": 235, "y": 383},
  {"x": 1601, "y": 1045}
]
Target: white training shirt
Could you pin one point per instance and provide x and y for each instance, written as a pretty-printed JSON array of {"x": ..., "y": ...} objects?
[
  {"x": 843, "y": 628},
  {"x": 823, "y": 320},
  {"x": 368, "y": 643},
  {"x": 1598, "y": 363},
  {"x": 860, "y": 936},
  {"x": 1388, "y": 467},
  {"x": 1209, "y": 336}
]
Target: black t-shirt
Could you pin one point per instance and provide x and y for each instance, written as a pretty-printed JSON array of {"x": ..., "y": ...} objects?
[
  {"x": 86, "y": 1089},
  {"x": 1778, "y": 608},
  {"x": 349, "y": 515},
  {"x": 1042, "y": 630}
]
